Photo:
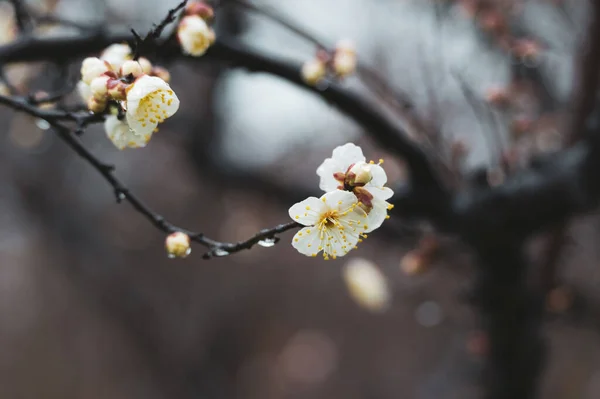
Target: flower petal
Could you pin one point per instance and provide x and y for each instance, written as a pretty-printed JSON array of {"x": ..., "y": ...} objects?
[
  {"x": 381, "y": 193},
  {"x": 308, "y": 212},
  {"x": 141, "y": 128},
  {"x": 379, "y": 176},
  {"x": 340, "y": 200},
  {"x": 326, "y": 171},
  {"x": 120, "y": 135},
  {"x": 348, "y": 154},
  {"x": 377, "y": 215},
  {"x": 307, "y": 241}
]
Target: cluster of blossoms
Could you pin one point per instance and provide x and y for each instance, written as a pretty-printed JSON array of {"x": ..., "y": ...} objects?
[
  {"x": 116, "y": 81},
  {"x": 355, "y": 203},
  {"x": 194, "y": 32},
  {"x": 339, "y": 64}
]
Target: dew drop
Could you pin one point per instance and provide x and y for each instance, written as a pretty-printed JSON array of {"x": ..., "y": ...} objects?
[
  {"x": 121, "y": 196},
  {"x": 42, "y": 124},
  {"x": 220, "y": 252},
  {"x": 188, "y": 251},
  {"x": 171, "y": 256},
  {"x": 268, "y": 242}
]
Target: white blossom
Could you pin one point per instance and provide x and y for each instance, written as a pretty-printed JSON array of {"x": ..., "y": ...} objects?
[
  {"x": 195, "y": 36},
  {"x": 150, "y": 100},
  {"x": 116, "y": 55},
  {"x": 338, "y": 173},
  {"x": 334, "y": 224},
  {"x": 121, "y": 135},
  {"x": 91, "y": 68}
]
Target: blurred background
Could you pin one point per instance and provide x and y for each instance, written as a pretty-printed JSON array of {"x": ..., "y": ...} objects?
[{"x": 91, "y": 307}]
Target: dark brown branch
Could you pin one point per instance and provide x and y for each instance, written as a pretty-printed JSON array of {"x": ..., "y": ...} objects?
[{"x": 215, "y": 248}]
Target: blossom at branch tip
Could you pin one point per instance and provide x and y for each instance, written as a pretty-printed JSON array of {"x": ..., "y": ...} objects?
[
  {"x": 334, "y": 224},
  {"x": 348, "y": 170},
  {"x": 150, "y": 100},
  {"x": 116, "y": 55},
  {"x": 121, "y": 135},
  {"x": 195, "y": 36},
  {"x": 178, "y": 245}
]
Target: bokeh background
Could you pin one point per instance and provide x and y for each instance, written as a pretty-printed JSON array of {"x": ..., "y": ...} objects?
[{"x": 91, "y": 307}]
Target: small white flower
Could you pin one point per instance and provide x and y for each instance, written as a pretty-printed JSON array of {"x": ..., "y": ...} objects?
[
  {"x": 91, "y": 68},
  {"x": 116, "y": 55},
  {"x": 338, "y": 173},
  {"x": 195, "y": 35},
  {"x": 121, "y": 135},
  {"x": 150, "y": 101},
  {"x": 335, "y": 222},
  {"x": 367, "y": 285}
]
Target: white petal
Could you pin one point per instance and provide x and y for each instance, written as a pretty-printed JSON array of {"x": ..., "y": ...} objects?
[
  {"x": 354, "y": 224},
  {"x": 379, "y": 176},
  {"x": 141, "y": 128},
  {"x": 377, "y": 215},
  {"x": 145, "y": 85},
  {"x": 116, "y": 55},
  {"x": 308, "y": 212},
  {"x": 121, "y": 136},
  {"x": 307, "y": 241},
  {"x": 341, "y": 242},
  {"x": 382, "y": 193},
  {"x": 340, "y": 200},
  {"x": 348, "y": 154},
  {"x": 326, "y": 170},
  {"x": 84, "y": 90}
]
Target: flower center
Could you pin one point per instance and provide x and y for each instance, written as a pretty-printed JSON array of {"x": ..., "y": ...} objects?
[
  {"x": 153, "y": 107},
  {"x": 328, "y": 219}
]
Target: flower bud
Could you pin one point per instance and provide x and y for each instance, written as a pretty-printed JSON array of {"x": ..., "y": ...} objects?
[
  {"x": 360, "y": 174},
  {"x": 99, "y": 88},
  {"x": 313, "y": 71},
  {"x": 194, "y": 35},
  {"x": 131, "y": 67},
  {"x": 116, "y": 55},
  {"x": 200, "y": 9},
  {"x": 178, "y": 245},
  {"x": 91, "y": 68},
  {"x": 162, "y": 73},
  {"x": 96, "y": 106},
  {"x": 117, "y": 89},
  {"x": 344, "y": 63},
  {"x": 146, "y": 65}
]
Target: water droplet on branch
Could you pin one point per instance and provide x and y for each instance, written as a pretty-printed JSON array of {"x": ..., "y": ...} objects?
[{"x": 268, "y": 242}]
